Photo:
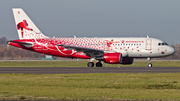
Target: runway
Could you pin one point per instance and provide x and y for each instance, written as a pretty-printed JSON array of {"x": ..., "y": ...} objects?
[{"x": 67, "y": 70}]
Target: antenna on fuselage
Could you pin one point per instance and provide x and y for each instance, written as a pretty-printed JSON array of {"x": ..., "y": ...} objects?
[
  {"x": 147, "y": 36},
  {"x": 74, "y": 36}
]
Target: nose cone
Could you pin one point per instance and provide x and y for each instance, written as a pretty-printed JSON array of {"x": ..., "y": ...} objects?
[{"x": 171, "y": 50}]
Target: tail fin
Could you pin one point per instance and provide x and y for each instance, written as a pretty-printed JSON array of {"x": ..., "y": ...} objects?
[{"x": 25, "y": 27}]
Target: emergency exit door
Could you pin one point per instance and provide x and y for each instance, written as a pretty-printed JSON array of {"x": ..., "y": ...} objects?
[{"x": 148, "y": 44}]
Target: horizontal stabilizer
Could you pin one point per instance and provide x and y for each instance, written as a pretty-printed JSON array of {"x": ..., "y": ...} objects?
[{"x": 19, "y": 42}]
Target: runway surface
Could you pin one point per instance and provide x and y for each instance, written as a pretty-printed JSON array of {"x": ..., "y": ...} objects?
[{"x": 66, "y": 70}]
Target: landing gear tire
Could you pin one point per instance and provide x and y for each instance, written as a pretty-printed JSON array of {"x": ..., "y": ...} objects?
[
  {"x": 149, "y": 65},
  {"x": 149, "y": 59},
  {"x": 90, "y": 64},
  {"x": 99, "y": 64}
]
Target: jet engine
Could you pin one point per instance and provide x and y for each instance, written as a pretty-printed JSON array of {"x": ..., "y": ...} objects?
[
  {"x": 116, "y": 58},
  {"x": 112, "y": 58}
]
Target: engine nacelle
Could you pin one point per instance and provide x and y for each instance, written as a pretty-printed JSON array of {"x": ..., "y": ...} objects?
[
  {"x": 112, "y": 58},
  {"x": 127, "y": 60},
  {"x": 116, "y": 58}
]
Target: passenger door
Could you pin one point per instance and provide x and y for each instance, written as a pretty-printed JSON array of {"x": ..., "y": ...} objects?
[{"x": 148, "y": 44}]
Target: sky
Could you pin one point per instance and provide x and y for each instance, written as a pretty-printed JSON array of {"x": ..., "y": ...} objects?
[{"x": 96, "y": 18}]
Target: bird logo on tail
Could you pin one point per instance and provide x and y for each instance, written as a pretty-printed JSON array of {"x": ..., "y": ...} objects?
[{"x": 23, "y": 25}]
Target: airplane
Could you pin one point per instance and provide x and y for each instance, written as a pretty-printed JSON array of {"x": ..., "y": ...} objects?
[{"x": 115, "y": 50}]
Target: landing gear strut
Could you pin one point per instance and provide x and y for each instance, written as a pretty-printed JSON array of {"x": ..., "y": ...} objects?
[
  {"x": 90, "y": 63},
  {"x": 99, "y": 64},
  {"x": 149, "y": 60}
]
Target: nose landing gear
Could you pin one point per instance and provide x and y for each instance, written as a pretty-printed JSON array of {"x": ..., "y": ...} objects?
[
  {"x": 149, "y": 65},
  {"x": 149, "y": 60}
]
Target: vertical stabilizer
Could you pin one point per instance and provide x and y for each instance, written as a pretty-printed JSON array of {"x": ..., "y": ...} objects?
[{"x": 25, "y": 27}]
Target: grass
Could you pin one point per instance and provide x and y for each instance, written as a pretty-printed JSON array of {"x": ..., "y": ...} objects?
[
  {"x": 92, "y": 86},
  {"x": 83, "y": 64}
]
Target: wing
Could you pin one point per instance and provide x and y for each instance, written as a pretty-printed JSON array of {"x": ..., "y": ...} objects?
[
  {"x": 79, "y": 49},
  {"x": 92, "y": 52}
]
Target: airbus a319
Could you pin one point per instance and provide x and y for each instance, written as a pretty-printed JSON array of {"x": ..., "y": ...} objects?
[{"x": 119, "y": 50}]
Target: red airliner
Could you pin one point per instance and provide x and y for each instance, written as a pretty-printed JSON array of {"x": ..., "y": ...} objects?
[{"x": 110, "y": 50}]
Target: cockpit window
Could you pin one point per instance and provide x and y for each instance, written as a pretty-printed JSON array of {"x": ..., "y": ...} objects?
[
  {"x": 166, "y": 44},
  {"x": 162, "y": 44}
]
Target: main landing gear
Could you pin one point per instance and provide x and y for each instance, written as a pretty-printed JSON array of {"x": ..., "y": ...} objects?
[
  {"x": 149, "y": 60},
  {"x": 99, "y": 64},
  {"x": 91, "y": 64}
]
